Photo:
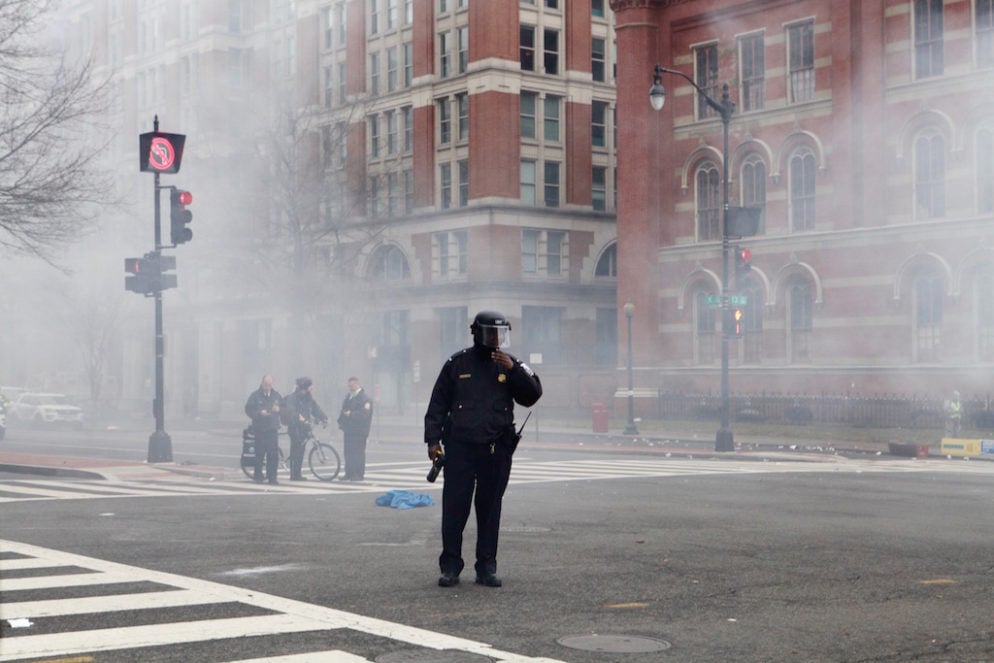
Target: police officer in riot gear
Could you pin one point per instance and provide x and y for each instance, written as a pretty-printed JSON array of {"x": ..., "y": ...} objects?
[{"x": 471, "y": 413}]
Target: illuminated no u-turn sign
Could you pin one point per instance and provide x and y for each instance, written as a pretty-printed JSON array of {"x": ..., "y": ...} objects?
[{"x": 160, "y": 152}]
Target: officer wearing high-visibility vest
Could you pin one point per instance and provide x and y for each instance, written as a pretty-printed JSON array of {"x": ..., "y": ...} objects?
[{"x": 954, "y": 415}]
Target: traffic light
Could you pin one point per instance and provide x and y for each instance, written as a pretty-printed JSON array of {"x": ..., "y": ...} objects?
[
  {"x": 179, "y": 215},
  {"x": 743, "y": 262},
  {"x": 146, "y": 273},
  {"x": 144, "y": 276},
  {"x": 734, "y": 322}
]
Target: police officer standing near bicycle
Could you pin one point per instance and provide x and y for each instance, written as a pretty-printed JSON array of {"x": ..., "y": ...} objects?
[
  {"x": 471, "y": 413},
  {"x": 299, "y": 411},
  {"x": 263, "y": 407}
]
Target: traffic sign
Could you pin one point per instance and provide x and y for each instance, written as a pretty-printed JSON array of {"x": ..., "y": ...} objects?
[
  {"x": 733, "y": 300},
  {"x": 160, "y": 152}
]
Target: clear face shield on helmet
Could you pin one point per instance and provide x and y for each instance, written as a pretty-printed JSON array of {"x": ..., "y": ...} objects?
[{"x": 495, "y": 336}]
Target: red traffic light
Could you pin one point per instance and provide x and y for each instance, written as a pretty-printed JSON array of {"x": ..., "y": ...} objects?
[
  {"x": 185, "y": 197},
  {"x": 745, "y": 254}
]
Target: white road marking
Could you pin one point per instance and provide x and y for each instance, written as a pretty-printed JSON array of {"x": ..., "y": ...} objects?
[{"x": 291, "y": 616}]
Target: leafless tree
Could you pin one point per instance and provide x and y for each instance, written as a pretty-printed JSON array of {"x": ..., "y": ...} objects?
[{"x": 50, "y": 183}]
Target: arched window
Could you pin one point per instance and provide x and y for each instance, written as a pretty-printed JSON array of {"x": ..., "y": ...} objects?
[
  {"x": 802, "y": 190},
  {"x": 708, "y": 202},
  {"x": 607, "y": 264},
  {"x": 985, "y": 171},
  {"x": 800, "y": 312},
  {"x": 705, "y": 338},
  {"x": 930, "y": 176},
  {"x": 927, "y": 316},
  {"x": 754, "y": 183},
  {"x": 983, "y": 304},
  {"x": 389, "y": 264},
  {"x": 752, "y": 340}
]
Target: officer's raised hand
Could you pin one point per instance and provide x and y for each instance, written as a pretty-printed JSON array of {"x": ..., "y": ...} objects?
[{"x": 502, "y": 358}]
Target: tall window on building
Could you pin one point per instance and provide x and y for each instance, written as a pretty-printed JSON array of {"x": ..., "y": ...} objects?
[
  {"x": 550, "y": 51},
  {"x": 706, "y": 77},
  {"x": 388, "y": 263},
  {"x": 526, "y": 48},
  {"x": 329, "y": 85},
  {"x": 598, "y": 188},
  {"x": 444, "y": 55},
  {"x": 541, "y": 332},
  {"x": 800, "y": 310},
  {"x": 393, "y": 17},
  {"x": 708, "y": 184},
  {"x": 597, "y": 8},
  {"x": 463, "y": 165},
  {"x": 930, "y": 175},
  {"x": 393, "y": 194},
  {"x": 928, "y": 38},
  {"x": 408, "y": 63},
  {"x": 373, "y": 195},
  {"x": 374, "y": 73},
  {"x": 705, "y": 337},
  {"x": 392, "y": 69},
  {"x": 392, "y": 122},
  {"x": 544, "y": 252},
  {"x": 408, "y": 191},
  {"x": 597, "y": 59},
  {"x": 598, "y": 123},
  {"x": 449, "y": 253},
  {"x": 983, "y": 304},
  {"x": 550, "y": 118},
  {"x": 606, "y": 350},
  {"x": 528, "y": 101},
  {"x": 462, "y": 106},
  {"x": 374, "y": 136},
  {"x": 408, "y": 117},
  {"x": 985, "y": 171},
  {"x": 327, "y": 26},
  {"x": 754, "y": 183},
  {"x": 752, "y": 341},
  {"x": 551, "y": 183},
  {"x": 752, "y": 60},
  {"x": 984, "y": 24},
  {"x": 374, "y": 16},
  {"x": 453, "y": 323},
  {"x": 802, "y": 190},
  {"x": 445, "y": 185},
  {"x": 444, "y": 121},
  {"x": 927, "y": 304},
  {"x": 343, "y": 90},
  {"x": 462, "y": 44},
  {"x": 528, "y": 182},
  {"x": 801, "y": 62},
  {"x": 340, "y": 23}
]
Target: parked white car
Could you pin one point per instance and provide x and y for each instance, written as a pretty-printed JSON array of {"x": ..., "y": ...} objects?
[{"x": 47, "y": 409}]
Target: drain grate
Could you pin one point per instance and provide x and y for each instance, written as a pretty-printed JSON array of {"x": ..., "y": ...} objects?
[{"x": 615, "y": 644}]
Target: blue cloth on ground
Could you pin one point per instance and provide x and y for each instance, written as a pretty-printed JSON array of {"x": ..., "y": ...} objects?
[{"x": 404, "y": 499}]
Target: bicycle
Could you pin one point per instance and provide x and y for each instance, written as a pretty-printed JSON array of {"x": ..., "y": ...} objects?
[{"x": 322, "y": 458}]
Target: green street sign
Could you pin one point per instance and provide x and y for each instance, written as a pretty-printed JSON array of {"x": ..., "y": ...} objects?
[{"x": 738, "y": 300}]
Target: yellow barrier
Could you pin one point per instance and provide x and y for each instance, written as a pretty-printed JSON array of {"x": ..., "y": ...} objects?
[{"x": 954, "y": 446}]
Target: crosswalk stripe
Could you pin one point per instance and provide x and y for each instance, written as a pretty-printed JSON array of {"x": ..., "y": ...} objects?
[
  {"x": 315, "y": 657},
  {"x": 94, "y": 604},
  {"x": 291, "y": 617}
]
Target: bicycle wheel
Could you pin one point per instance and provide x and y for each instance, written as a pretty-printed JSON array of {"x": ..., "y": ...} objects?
[{"x": 324, "y": 461}]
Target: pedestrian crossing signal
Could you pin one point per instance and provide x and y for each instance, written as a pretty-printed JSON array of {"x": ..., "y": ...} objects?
[{"x": 734, "y": 322}]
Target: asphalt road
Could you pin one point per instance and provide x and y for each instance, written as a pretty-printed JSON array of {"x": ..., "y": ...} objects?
[{"x": 885, "y": 561}]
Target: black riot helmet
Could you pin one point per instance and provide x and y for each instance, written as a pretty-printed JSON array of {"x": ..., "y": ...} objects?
[{"x": 491, "y": 330}]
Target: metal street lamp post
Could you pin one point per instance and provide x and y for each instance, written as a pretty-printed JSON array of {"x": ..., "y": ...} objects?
[
  {"x": 630, "y": 428},
  {"x": 657, "y": 97}
]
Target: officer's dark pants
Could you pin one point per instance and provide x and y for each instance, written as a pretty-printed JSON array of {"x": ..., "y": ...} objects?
[
  {"x": 266, "y": 452},
  {"x": 298, "y": 437},
  {"x": 355, "y": 456},
  {"x": 468, "y": 467}
]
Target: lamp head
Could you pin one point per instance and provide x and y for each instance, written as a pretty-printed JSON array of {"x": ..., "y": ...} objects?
[{"x": 657, "y": 93}]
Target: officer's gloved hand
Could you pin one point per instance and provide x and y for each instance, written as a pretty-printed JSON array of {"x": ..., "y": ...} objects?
[{"x": 434, "y": 450}]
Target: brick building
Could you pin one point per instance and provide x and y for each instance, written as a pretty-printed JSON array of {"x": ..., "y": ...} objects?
[
  {"x": 432, "y": 158},
  {"x": 864, "y": 131}
]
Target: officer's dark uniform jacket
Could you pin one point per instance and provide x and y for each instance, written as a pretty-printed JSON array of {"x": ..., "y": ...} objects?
[
  {"x": 257, "y": 402},
  {"x": 473, "y": 399}
]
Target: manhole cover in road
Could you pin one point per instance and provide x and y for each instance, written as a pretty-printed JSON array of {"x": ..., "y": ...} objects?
[
  {"x": 615, "y": 644},
  {"x": 432, "y": 656}
]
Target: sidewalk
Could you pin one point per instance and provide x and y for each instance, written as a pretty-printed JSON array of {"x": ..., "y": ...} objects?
[{"x": 404, "y": 430}]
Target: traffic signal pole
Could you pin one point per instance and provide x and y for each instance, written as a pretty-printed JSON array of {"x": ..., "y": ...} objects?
[{"x": 160, "y": 445}]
